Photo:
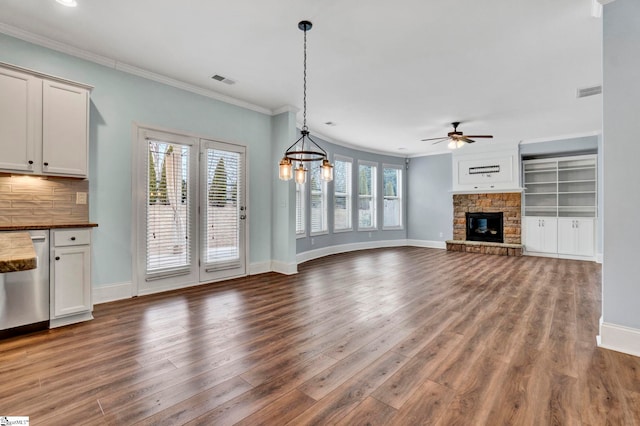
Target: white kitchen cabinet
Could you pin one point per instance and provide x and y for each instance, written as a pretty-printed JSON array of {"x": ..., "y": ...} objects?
[
  {"x": 576, "y": 236},
  {"x": 18, "y": 119},
  {"x": 44, "y": 124},
  {"x": 541, "y": 234},
  {"x": 70, "y": 278}
]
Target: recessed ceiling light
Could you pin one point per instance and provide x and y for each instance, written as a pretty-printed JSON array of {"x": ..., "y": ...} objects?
[
  {"x": 330, "y": 123},
  {"x": 68, "y": 3},
  {"x": 402, "y": 149}
]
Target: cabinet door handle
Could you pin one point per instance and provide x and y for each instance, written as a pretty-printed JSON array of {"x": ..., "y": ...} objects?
[
  {"x": 46, "y": 164},
  {"x": 577, "y": 224},
  {"x": 57, "y": 257},
  {"x": 30, "y": 161},
  {"x": 73, "y": 238}
]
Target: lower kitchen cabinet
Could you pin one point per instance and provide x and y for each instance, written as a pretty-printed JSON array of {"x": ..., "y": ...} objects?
[{"x": 70, "y": 276}]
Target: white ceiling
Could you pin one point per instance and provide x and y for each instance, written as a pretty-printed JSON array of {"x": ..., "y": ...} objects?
[{"x": 387, "y": 73}]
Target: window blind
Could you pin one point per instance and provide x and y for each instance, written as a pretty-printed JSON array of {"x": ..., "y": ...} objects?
[
  {"x": 167, "y": 207},
  {"x": 342, "y": 184},
  {"x": 300, "y": 209},
  {"x": 222, "y": 241}
]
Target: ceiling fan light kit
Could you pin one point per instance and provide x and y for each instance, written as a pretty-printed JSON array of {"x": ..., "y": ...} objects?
[
  {"x": 304, "y": 149},
  {"x": 457, "y": 139}
]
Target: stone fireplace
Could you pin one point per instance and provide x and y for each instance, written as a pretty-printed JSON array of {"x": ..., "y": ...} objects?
[{"x": 482, "y": 215}]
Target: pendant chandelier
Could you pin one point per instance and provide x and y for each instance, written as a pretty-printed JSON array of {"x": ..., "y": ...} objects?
[{"x": 304, "y": 149}]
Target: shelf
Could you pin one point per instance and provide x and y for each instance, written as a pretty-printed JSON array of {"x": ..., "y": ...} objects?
[
  {"x": 562, "y": 169},
  {"x": 577, "y": 181},
  {"x": 569, "y": 187},
  {"x": 577, "y": 192}
]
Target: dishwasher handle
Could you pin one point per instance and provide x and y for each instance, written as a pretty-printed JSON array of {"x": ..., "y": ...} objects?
[{"x": 39, "y": 239}]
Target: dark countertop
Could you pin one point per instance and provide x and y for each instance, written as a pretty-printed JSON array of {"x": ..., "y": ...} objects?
[
  {"x": 47, "y": 226},
  {"x": 16, "y": 252}
]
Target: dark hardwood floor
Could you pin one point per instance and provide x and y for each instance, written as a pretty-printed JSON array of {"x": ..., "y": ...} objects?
[{"x": 404, "y": 336}]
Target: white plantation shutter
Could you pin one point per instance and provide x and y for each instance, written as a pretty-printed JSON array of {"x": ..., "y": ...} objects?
[
  {"x": 223, "y": 211},
  {"x": 167, "y": 207}
]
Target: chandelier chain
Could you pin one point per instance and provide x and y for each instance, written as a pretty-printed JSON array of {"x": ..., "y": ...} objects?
[{"x": 304, "y": 91}]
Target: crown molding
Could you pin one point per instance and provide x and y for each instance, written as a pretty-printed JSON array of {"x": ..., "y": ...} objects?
[
  {"x": 130, "y": 69},
  {"x": 560, "y": 137},
  {"x": 286, "y": 108}
]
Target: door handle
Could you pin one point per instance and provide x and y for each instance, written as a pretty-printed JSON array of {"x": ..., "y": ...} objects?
[{"x": 243, "y": 216}]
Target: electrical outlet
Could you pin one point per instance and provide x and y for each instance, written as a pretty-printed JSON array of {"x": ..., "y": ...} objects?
[
  {"x": 81, "y": 198},
  {"x": 441, "y": 234},
  {"x": 313, "y": 241},
  {"x": 369, "y": 234}
]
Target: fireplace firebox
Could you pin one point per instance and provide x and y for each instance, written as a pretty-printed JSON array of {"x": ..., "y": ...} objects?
[{"x": 485, "y": 227}]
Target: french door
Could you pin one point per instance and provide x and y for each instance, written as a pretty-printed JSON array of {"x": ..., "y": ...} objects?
[
  {"x": 223, "y": 211},
  {"x": 190, "y": 211}
]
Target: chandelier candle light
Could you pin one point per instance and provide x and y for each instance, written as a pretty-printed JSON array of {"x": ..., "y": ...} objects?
[{"x": 304, "y": 149}]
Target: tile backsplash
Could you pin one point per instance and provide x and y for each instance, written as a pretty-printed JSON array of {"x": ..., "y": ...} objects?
[{"x": 41, "y": 200}]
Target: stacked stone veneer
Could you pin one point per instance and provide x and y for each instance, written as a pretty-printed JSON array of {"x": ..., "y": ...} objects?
[{"x": 509, "y": 204}]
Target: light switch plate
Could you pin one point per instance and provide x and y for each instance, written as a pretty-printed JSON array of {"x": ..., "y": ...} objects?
[{"x": 81, "y": 198}]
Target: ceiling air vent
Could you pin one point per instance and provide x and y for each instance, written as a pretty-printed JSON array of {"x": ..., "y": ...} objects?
[
  {"x": 223, "y": 79},
  {"x": 589, "y": 91}
]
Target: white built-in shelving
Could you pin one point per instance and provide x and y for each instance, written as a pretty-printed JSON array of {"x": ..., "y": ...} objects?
[{"x": 560, "y": 205}]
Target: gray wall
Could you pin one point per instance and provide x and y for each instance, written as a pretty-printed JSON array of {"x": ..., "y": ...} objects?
[
  {"x": 315, "y": 242},
  {"x": 621, "y": 269},
  {"x": 430, "y": 209}
]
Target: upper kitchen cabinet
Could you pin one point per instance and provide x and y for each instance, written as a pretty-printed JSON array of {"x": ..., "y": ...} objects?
[{"x": 44, "y": 124}]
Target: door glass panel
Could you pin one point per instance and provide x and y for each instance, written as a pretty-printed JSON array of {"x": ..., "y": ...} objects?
[
  {"x": 167, "y": 207},
  {"x": 223, "y": 211}
]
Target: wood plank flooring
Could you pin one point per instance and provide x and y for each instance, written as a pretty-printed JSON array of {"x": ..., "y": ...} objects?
[{"x": 399, "y": 336}]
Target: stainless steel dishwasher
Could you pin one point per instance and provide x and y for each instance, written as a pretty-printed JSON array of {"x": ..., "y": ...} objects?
[{"x": 24, "y": 295}]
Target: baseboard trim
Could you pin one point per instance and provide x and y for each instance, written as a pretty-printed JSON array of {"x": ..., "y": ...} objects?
[
  {"x": 427, "y": 244},
  {"x": 284, "y": 268},
  {"x": 112, "y": 292},
  {"x": 344, "y": 248},
  {"x": 259, "y": 268},
  {"x": 619, "y": 338}
]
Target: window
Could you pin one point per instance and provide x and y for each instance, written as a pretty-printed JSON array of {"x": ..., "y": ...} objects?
[
  {"x": 300, "y": 210},
  {"x": 319, "y": 223},
  {"x": 367, "y": 195},
  {"x": 342, "y": 184},
  {"x": 392, "y": 190}
]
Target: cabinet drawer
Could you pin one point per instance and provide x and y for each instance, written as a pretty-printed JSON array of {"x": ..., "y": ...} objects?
[{"x": 73, "y": 237}]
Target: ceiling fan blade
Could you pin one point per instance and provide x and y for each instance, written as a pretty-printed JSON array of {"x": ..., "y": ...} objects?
[
  {"x": 466, "y": 139},
  {"x": 441, "y": 140},
  {"x": 478, "y": 136},
  {"x": 433, "y": 139}
]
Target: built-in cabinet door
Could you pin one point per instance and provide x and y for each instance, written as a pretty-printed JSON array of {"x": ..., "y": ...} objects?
[
  {"x": 541, "y": 234},
  {"x": 71, "y": 269},
  {"x": 19, "y": 130},
  {"x": 64, "y": 129},
  {"x": 576, "y": 236}
]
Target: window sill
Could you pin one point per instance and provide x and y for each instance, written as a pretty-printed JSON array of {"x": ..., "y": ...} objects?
[
  {"x": 315, "y": 234},
  {"x": 393, "y": 228},
  {"x": 301, "y": 235},
  {"x": 339, "y": 231}
]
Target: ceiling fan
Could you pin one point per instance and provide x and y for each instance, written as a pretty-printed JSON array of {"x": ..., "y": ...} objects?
[{"x": 457, "y": 139}]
